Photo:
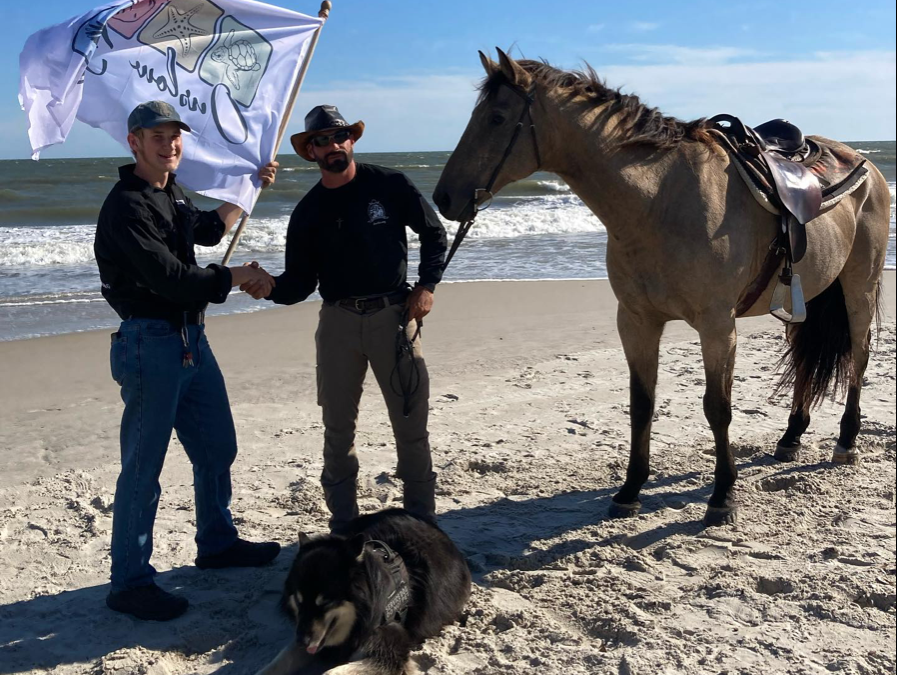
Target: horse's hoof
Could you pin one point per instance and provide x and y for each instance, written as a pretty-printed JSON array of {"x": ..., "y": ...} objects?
[
  {"x": 788, "y": 453},
  {"x": 845, "y": 456},
  {"x": 717, "y": 515},
  {"x": 630, "y": 510}
]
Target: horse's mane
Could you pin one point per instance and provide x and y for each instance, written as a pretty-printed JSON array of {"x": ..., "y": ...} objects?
[{"x": 640, "y": 124}]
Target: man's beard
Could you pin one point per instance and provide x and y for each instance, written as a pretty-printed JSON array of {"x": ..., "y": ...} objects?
[{"x": 336, "y": 162}]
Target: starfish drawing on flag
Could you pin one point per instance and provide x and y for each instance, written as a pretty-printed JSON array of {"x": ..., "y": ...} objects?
[{"x": 179, "y": 27}]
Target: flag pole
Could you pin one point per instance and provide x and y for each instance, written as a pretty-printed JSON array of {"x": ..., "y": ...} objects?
[{"x": 324, "y": 13}]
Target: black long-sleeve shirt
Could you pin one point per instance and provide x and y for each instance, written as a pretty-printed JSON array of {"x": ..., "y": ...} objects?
[
  {"x": 144, "y": 249},
  {"x": 350, "y": 241}
]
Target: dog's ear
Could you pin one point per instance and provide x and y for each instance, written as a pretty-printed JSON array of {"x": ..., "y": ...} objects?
[
  {"x": 289, "y": 606},
  {"x": 303, "y": 539},
  {"x": 356, "y": 546}
]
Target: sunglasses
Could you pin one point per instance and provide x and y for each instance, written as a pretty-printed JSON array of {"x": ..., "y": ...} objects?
[{"x": 338, "y": 137}]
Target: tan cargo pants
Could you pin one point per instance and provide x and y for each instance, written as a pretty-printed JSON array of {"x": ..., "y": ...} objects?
[{"x": 347, "y": 341}]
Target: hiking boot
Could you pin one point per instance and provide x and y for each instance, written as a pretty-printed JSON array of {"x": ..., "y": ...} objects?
[
  {"x": 241, "y": 553},
  {"x": 149, "y": 603},
  {"x": 419, "y": 498}
]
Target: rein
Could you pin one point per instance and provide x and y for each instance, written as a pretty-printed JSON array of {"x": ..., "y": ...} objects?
[{"x": 463, "y": 229}]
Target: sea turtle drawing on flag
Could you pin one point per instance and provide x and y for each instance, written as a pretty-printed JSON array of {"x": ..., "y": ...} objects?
[
  {"x": 236, "y": 55},
  {"x": 238, "y": 59}
]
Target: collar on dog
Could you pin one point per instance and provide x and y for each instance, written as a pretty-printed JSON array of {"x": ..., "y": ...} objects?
[{"x": 399, "y": 597}]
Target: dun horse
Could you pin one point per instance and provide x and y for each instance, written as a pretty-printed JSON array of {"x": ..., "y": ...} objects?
[{"x": 686, "y": 238}]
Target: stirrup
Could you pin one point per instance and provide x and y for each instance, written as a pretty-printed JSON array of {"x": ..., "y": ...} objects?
[{"x": 798, "y": 308}]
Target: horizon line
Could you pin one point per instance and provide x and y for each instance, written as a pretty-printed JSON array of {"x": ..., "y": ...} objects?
[{"x": 368, "y": 152}]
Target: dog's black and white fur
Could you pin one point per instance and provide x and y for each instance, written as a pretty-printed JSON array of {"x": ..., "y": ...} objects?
[{"x": 359, "y": 608}]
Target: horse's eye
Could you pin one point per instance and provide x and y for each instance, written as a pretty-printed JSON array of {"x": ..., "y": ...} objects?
[{"x": 497, "y": 119}]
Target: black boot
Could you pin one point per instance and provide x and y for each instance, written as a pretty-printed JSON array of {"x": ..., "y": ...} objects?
[
  {"x": 420, "y": 498},
  {"x": 241, "y": 553}
]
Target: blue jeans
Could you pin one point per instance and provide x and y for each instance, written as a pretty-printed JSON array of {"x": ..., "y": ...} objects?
[{"x": 161, "y": 394}]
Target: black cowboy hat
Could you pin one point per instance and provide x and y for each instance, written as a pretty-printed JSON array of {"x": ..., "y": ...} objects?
[{"x": 323, "y": 118}]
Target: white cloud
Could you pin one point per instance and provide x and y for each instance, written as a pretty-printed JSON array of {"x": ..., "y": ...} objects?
[
  {"x": 408, "y": 113},
  {"x": 595, "y": 28},
  {"x": 848, "y": 96},
  {"x": 677, "y": 54},
  {"x": 643, "y": 26}
]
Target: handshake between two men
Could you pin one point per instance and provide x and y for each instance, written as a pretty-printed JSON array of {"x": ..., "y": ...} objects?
[{"x": 259, "y": 283}]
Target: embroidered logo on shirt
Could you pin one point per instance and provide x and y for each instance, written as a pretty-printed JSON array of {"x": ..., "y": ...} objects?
[{"x": 376, "y": 213}]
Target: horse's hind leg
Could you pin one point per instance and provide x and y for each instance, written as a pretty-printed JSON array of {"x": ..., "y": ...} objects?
[
  {"x": 641, "y": 344},
  {"x": 789, "y": 446},
  {"x": 861, "y": 307},
  {"x": 860, "y": 283},
  {"x": 718, "y": 348}
]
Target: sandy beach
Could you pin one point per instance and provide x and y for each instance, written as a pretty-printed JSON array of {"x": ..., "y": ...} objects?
[{"x": 529, "y": 429}]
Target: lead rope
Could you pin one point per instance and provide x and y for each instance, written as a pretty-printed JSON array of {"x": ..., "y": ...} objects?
[{"x": 405, "y": 347}]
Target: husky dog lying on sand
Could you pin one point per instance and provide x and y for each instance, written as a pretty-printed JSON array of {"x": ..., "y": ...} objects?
[{"x": 361, "y": 602}]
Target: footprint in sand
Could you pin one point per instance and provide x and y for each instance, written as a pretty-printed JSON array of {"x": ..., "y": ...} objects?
[
  {"x": 769, "y": 586},
  {"x": 777, "y": 483},
  {"x": 675, "y": 502}
]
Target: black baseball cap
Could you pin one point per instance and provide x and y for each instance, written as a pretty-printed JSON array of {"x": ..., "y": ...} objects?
[{"x": 152, "y": 114}]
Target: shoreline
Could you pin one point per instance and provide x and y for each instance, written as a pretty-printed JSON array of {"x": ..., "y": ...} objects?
[{"x": 236, "y": 297}]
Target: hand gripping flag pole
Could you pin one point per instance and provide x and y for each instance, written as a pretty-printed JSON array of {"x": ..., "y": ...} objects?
[{"x": 324, "y": 13}]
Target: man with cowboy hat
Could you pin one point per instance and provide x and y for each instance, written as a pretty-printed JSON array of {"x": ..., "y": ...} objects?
[{"x": 347, "y": 238}]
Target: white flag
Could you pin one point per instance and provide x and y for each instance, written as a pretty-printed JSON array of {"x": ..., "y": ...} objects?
[{"x": 227, "y": 66}]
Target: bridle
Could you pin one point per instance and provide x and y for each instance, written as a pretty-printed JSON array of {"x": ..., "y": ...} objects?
[
  {"x": 404, "y": 345},
  {"x": 528, "y": 98}
]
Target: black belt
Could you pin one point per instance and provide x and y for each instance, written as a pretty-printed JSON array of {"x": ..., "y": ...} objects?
[
  {"x": 368, "y": 304},
  {"x": 191, "y": 318}
]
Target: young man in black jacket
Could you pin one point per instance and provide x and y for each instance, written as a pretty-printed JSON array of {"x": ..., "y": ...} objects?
[
  {"x": 347, "y": 239},
  {"x": 162, "y": 360}
]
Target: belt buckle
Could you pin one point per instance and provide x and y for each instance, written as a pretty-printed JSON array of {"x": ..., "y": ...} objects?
[{"x": 359, "y": 307}]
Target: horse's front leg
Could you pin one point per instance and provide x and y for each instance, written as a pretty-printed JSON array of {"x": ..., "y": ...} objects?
[
  {"x": 718, "y": 349},
  {"x": 641, "y": 344}
]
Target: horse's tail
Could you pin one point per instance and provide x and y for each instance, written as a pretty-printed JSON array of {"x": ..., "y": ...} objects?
[{"x": 818, "y": 357}]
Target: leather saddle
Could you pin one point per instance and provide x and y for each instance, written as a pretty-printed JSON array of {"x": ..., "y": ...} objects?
[{"x": 795, "y": 177}]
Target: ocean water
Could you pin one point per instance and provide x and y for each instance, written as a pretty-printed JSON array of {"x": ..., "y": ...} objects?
[{"x": 536, "y": 229}]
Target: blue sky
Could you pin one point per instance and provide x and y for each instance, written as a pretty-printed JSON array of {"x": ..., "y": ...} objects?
[{"x": 409, "y": 69}]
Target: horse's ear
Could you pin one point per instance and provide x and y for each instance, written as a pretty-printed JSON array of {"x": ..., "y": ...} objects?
[
  {"x": 512, "y": 70},
  {"x": 489, "y": 65}
]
